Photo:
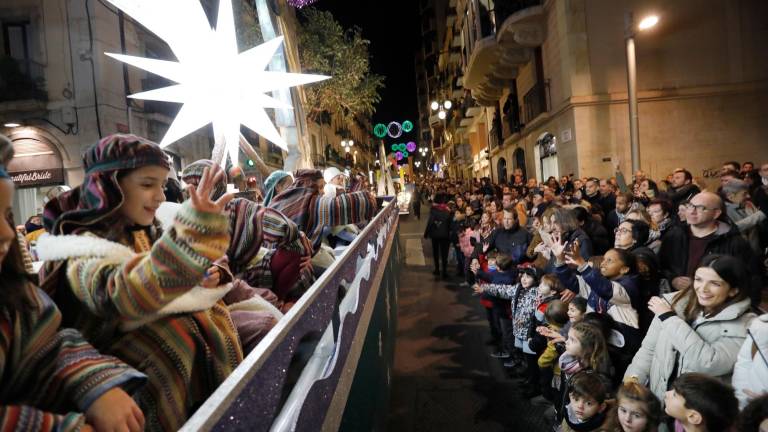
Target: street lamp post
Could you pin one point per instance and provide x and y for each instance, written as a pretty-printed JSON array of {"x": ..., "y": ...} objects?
[
  {"x": 347, "y": 144},
  {"x": 629, "y": 35}
]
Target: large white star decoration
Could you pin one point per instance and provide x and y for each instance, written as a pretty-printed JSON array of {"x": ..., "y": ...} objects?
[{"x": 215, "y": 83}]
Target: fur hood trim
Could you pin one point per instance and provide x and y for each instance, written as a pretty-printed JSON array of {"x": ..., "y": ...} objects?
[{"x": 59, "y": 248}]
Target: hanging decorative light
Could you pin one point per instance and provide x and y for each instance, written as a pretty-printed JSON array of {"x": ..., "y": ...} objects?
[{"x": 300, "y": 3}]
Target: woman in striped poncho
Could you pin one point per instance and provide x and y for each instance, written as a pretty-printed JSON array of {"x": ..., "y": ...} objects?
[
  {"x": 133, "y": 292},
  {"x": 50, "y": 378}
]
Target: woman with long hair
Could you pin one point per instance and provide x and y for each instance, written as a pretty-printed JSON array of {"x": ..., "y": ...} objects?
[{"x": 698, "y": 329}]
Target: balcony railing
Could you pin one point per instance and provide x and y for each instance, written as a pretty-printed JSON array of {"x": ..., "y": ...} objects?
[
  {"x": 21, "y": 79},
  {"x": 535, "y": 101}
]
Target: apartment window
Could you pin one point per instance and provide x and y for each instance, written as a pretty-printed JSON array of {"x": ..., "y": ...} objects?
[{"x": 17, "y": 37}]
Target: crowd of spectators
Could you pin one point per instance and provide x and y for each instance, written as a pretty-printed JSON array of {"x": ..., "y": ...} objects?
[{"x": 627, "y": 306}]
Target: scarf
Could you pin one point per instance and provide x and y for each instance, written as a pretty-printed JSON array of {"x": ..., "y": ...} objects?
[
  {"x": 655, "y": 233},
  {"x": 591, "y": 424},
  {"x": 98, "y": 199},
  {"x": 271, "y": 183}
]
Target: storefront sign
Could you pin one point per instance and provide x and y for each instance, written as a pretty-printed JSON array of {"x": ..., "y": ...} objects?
[{"x": 43, "y": 177}]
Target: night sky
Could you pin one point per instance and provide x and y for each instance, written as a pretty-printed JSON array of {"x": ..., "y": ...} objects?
[{"x": 392, "y": 26}]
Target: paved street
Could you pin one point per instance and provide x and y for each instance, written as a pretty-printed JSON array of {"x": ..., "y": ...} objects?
[{"x": 444, "y": 379}]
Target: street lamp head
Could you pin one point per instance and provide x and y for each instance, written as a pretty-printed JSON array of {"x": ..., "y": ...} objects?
[
  {"x": 12, "y": 125},
  {"x": 351, "y": 143},
  {"x": 441, "y": 115},
  {"x": 648, "y": 22},
  {"x": 435, "y": 106},
  {"x": 447, "y": 104}
]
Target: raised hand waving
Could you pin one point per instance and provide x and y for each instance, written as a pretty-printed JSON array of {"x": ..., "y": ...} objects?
[{"x": 201, "y": 196}]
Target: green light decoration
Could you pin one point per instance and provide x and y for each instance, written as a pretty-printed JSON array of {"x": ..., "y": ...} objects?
[
  {"x": 395, "y": 147},
  {"x": 407, "y": 126},
  {"x": 403, "y": 147},
  {"x": 380, "y": 130},
  {"x": 250, "y": 163},
  {"x": 405, "y": 153}
]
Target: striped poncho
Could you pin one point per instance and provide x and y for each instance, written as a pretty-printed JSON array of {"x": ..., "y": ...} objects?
[
  {"x": 313, "y": 212},
  {"x": 187, "y": 355},
  {"x": 48, "y": 376},
  {"x": 258, "y": 233}
]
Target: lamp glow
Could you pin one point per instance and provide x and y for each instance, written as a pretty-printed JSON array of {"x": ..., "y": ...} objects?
[
  {"x": 441, "y": 115},
  {"x": 447, "y": 104},
  {"x": 12, "y": 125},
  {"x": 648, "y": 22},
  {"x": 435, "y": 106},
  {"x": 215, "y": 83}
]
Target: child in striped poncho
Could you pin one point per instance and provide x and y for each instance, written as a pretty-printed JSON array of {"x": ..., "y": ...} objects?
[
  {"x": 138, "y": 295},
  {"x": 304, "y": 204},
  {"x": 50, "y": 378}
]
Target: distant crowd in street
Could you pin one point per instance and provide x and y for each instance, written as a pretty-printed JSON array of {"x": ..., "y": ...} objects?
[{"x": 626, "y": 305}]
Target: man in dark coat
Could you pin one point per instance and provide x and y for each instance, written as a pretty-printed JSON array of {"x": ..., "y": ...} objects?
[
  {"x": 682, "y": 188},
  {"x": 510, "y": 239},
  {"x": 439, "y": 230},
  {"x": 684, "y": 246}
]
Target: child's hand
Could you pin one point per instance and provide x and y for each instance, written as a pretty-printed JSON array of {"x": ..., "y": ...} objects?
[
  {"x": 211, "y": 278},
  {"x": 201, "y": 195},
  {"x": 113, "y": 411},
  {"x": 475, "y": 266},
  {"x": 557, "y": 247},
  {"x": 478, "y": 289},
  {"x": 574, "y": 257}
]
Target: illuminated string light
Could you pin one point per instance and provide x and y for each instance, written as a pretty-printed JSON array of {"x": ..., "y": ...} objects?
[
  {"x": 407, "y": 126},
  {"x": 380, "y": 130},
  {"x": 398, "y": 130}
]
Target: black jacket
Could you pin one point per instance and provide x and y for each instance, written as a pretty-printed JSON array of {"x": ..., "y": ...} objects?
[
  {"x": 511, "y": 242},
  {"x": 439, "y": 223},
  {"x": 601, "y": 239},
  {"x": 683, "y": 193}
]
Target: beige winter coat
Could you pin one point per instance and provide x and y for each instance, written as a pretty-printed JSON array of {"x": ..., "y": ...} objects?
[{"x": 710, "y": 346}]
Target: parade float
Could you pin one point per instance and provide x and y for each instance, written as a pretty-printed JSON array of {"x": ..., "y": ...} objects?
[{"x": 327, "y": 363}]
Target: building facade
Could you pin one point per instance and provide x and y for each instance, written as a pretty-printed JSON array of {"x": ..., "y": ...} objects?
[
  {"x": 549, "y": 82},
  {"x": 59, "y": 93}
]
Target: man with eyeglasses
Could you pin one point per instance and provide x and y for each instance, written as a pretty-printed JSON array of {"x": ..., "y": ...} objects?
[{"x": 684, "y": 246}]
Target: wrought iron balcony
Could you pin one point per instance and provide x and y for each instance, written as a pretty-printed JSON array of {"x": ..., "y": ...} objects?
[{"x": 21, "y": 79}]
